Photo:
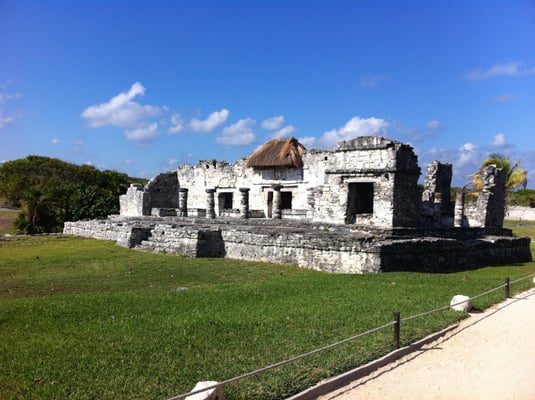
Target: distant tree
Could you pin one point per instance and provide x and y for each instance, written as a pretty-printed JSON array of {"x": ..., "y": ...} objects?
[
  {"x": 50, "y": 191},
  {"x": 514, "y": 175}
]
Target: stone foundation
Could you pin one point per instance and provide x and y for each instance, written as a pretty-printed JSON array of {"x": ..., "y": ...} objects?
[{"x": 331, "y": 248}]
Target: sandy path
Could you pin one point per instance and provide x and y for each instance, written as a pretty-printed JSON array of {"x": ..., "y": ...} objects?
[{"x": 491, "y": 355}]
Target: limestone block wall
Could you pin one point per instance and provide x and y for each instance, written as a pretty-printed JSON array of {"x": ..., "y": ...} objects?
[
  {"x": 135, "y": 202},
  {"x": 322, "y": 253},
  {"x": 123, "y": 233},
  {"x": 163, "y": 189},
  {"x": 520, "y": 213},
  {"x": 392, "y": 169}
]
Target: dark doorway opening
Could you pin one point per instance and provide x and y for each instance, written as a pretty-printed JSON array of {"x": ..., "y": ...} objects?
[
  {"x": 225, "y": 200},
  {"x": 359, "y": 200},
  {"x": 286, "y": 200}
]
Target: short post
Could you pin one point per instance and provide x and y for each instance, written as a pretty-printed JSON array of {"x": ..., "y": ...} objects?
[
  {"x": 397, "y": 326},
  {"x": 507, "y": 288}
]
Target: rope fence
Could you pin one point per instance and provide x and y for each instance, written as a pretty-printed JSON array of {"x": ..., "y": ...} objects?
[{"x": 396, "y": 323}]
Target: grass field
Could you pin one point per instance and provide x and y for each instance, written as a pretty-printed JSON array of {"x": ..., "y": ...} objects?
[{"x": 86, "y": 319}]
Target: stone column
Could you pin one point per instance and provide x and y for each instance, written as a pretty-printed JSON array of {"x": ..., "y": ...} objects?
[
  {"x": 459, "y": 209},
  {"x": 244, "y": 203},
  {"x": 276, "y": 210},
  {"x": 210, "y": 203},
  {"x": 311, "y": 202},
  {"x": 183, "y": 202}
]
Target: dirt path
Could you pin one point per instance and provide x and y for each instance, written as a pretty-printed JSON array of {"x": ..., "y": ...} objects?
[{"x": 491, "y": 355}]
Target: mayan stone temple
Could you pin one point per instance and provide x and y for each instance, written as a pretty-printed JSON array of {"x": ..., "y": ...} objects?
[{"x": 357, "y": 208}]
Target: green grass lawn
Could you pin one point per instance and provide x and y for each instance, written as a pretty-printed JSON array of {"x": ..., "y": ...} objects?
[{"x": 86, "y": 319}]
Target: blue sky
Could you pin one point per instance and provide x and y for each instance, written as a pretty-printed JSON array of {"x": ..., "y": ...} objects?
[{"x": 142, "y": 86}]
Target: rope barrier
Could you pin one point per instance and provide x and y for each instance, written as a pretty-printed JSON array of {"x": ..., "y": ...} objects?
[{"x": 339, "y": 343}]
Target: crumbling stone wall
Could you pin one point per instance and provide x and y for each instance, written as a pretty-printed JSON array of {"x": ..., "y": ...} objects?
[
  {"x": 163, "y": 190},
  {"x": 489, "y": 209},
  {"x": 326, "y": 248},
  {"x": 391, "y": 167},
  {"x": 135, "y": 202}
]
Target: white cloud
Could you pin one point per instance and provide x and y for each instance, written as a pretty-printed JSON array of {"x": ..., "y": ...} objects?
[
  {"x": 504, "y": 98},
  {"x": 356, "y": 126},
  {"x": 238, "y": 134},
  {"x": 499, "y": 140},
  {"x": 55, "y": 141},
  {"x": 307, "y": 141},
  {"x": 283, "y": 132},
  {"x": 511, "y": 69},
  {"x": 177, "y": 124},
  {"x": 434, "y": 125},
  {"x": 468, "y": 154},
  {"x": 213, "y": 121},
  {"x": 142, "y": 133},
  {"x": 4, "y": 120},
  {"x": 122, "y": 112},
  {"x": 172, "y": 164},
  {"x": 273, "y": 123}
]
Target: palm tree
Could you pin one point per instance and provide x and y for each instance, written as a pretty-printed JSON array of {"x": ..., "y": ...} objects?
[{"x": 514, "y": 175}]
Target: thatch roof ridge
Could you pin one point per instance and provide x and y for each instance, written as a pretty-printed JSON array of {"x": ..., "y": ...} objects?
[{"x": 283, "y": 153}]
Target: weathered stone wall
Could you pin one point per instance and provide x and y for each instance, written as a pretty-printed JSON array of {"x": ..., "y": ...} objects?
[
  {"x": 326, "y": 248},
  {"x": 489, "y": 209},
  {"x": 126, "y": 234},
  {"x": 390, "y": 166},
  {"x": 520, "y": 213},
  {"x": 135, "y": 202},
  {"x": 163, "y": 189}
]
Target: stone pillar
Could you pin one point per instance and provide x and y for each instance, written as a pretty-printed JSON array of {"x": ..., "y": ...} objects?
[
  {"x": 438, "y": 205},
  {"x": 276, "y": 211},
  {"x": 183, "y": 202},
  {"x": 210, "y": 203},
  {"x": 244, "y": 203},
  {"x": 311, "y": 202},
  {"x": 459, "y": 209}
]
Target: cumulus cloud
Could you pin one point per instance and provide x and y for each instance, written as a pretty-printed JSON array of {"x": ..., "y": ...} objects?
[
  {"x": 55, "y": 141},
  {"x": 123, "y": 112},
  {"x": 499, "y": 140},
  {"x": 143, "y": 132},
  {"x": 356, "y": 126},
  {"x": 307, "y": 141},
  {"x": 213, "y": 121},
  {"x": 177, "y": 124},
  {"x": 468, "y": 156},
  {"x": 239, "y": 134},
  {"x": 283, "y": 132},
  {"x": 510, "y": 69},
  {"x": 273, "y": 123},
  {"x": 434, "y": 125}
]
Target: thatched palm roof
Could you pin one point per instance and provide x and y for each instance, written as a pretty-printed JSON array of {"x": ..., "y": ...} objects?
[{"x": 282, "y": 153}]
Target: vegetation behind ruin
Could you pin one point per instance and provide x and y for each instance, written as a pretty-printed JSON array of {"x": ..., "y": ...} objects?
[
  {"x": 49, "y": 192},
  {"x": 87, "y": 319}
]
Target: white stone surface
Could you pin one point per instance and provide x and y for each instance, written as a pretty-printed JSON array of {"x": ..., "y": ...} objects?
[
  {"x": 465, "y": 303},
  {"x": 210, "y": 394}
]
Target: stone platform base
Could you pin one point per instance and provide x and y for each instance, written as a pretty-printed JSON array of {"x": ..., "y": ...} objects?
[{"x": 331, "y": 248}]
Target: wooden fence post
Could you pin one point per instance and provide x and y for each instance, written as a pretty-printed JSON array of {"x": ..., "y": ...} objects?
[{"x": 397, "y": 323}]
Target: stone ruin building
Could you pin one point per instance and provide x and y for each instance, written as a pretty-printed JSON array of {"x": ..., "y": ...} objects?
[{"x": 357, "y": 208}]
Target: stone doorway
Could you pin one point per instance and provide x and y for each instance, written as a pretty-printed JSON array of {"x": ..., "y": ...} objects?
[{"x": 359, "y": 200}]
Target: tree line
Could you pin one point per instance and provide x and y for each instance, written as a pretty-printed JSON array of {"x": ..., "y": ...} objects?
[{"x": 49, "y": 192}]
